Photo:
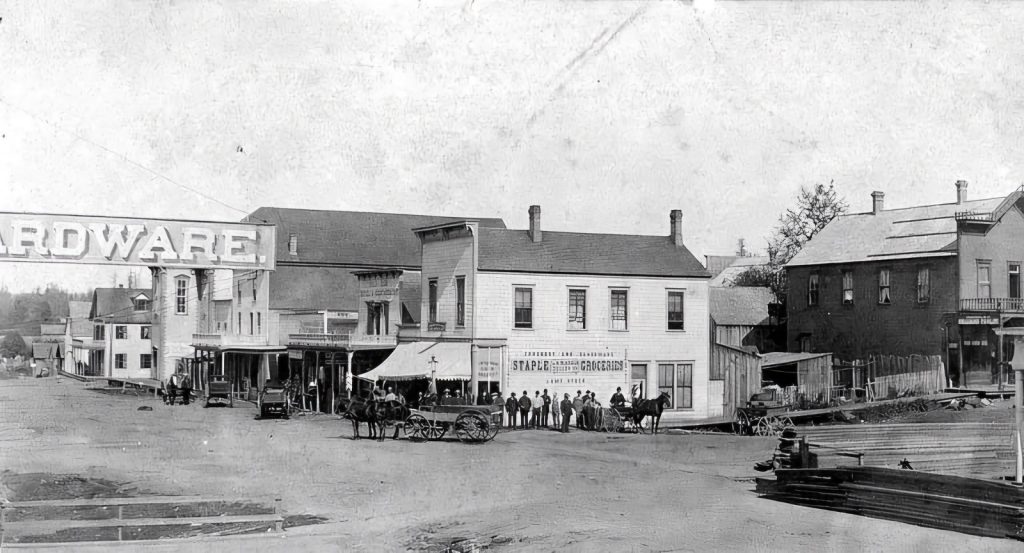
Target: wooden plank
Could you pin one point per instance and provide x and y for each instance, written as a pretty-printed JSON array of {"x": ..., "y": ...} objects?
[
  {"x": 39, "y": 527},
  {"x": 134, "y": 500}
]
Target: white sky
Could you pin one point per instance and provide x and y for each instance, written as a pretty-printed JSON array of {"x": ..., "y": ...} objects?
[{"x": 607, "y": 114}]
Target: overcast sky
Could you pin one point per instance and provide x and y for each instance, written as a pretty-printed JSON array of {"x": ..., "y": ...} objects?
[{"x": 607, "y": 114}]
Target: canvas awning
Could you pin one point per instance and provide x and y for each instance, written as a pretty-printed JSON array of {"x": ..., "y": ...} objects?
[{"x": 412, "y": 361}]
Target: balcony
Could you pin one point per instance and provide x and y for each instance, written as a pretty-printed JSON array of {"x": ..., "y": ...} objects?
[
  {"x": 974, "y": 217},
  {"x": 222, "y": 340},
  {"x": 993, "y": 305}
]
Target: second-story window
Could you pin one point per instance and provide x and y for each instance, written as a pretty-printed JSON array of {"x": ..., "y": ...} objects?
[
  {"x": 847, "y": 287},
  {"x": 181, "y": 296},
  {"x": 432, "y": 298},
  {"x": 884, "y": 290},
  {"x": 620, "y": 310},
  {"x": 812, "y": 289},
  {"x": 924, "y": 287},
  {"x": 250, "y": 324},
  {"x": 460, "y": 301},
  {"x": 675, "y": 311},
  {"x": 293, "y": 244},
  {"x": 1013, "y": 279},
  {"x": 254, "y": 289},
  {"x": 259, "y": 323},
  {"x": 98, "y": 332},
  {"x": 121, "y": 332},
  {"x": 984, "y": 279},
  {"x": 145, "y": 332},
  {"x": 524, "y": 308},
  {"x": 577, "y": 309}
]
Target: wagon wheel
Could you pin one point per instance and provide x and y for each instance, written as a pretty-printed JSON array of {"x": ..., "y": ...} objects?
[
  {"x": 471, "y": 426},
  {"x": 743, "y": 426},
  {"x": 785, "y": 422},
  {"x": 612, "y": 421},
  {"x": 766, "y": 426},
  {"x": 416, "y": 427},
  {"x": 433, "y": 430},
  {"x": 493, "y": 427}
]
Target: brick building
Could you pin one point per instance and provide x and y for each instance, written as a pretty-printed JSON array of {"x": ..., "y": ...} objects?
[
  {"x": 529, "y": 309},
  {"x": 929, "y": 280}
]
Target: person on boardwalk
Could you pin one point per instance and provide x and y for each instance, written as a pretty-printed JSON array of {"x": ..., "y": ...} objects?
[
  {"x": 545, "y": 408},
  {"x": 577, "y": 407},
  {"x": 511, "y": 406},
  {"x": 524, "y": 409},
  {"x": 566, "y": 408},
  {"x": 538, "y": 403}
]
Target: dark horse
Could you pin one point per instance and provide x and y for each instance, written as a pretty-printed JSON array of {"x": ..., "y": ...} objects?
[
  {"x": 359, "y": 410},
  {"x": 652, "y": 408},
  {"x": 391, "y": 412}
]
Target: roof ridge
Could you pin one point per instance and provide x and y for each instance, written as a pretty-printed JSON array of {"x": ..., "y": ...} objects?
[
  {"x": 922, "y": 206},
  {"x": 545, "y": 231},
  {"x": 452, "y": 217}
]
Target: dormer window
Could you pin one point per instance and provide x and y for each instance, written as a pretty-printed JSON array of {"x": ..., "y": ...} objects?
[{"x": 141, "y": 302}]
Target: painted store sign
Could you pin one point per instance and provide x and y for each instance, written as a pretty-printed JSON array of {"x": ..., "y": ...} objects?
[{"x": 600, "y": 371}]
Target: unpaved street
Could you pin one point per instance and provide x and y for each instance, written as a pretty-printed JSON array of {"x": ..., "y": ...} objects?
[{"x": 525, "y": 491}]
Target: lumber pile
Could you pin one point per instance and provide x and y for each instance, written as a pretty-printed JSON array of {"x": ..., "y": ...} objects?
[
  {"x": 965, "y": 449},
  {"x": 966, "y": 505}
]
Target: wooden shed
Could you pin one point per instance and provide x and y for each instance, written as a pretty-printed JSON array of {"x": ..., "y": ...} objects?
[{"x": 801, "y": 374}]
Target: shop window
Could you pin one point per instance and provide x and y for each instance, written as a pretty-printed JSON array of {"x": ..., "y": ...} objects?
[
  {"x": 812, "y": 289},
  {"x": 146, "y": 361},
  {"x": 847, "y": 287},
  {"x": 120, "y": 360},
  {"x": 884, "y": 290},
  {"x": 619, "y": 309},
  {"x": 145, "y": 332},
  {"x": 675, "y": 310},
  {"x": 924, "y": 287},
  {"x": 121, "y": 332},
  {"x": 577, "y": 309},
  {"x": 460, "y": 301},
  {"x": 181, "y": 295},
  {"x": 676, "y": 380},
  {"x": 432, "y": 287},
  {"x": 524, "y": 308},
  {"x": 638, "y": 379},
  {"x": 984, "y": 279},
  {"x": 1013, "y": 279}
]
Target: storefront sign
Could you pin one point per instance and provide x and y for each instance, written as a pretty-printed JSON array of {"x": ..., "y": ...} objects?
[
  {"x": 568, "y": 370},
  {"x": 379, "y": 286},
  {"x": 436, "y": 327},
  {"x": 121, "y": 241},
  {"x": 978, "y": 321},
  {"x": 487, "y": 370}
]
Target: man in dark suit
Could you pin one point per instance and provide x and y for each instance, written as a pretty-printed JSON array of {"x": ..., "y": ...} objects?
[
  {"x": 511, "y": 407},
  {"x": 524, "y": 409},
  {"x": 566, "y": 408},
  {"x": 545, "y": 409}
]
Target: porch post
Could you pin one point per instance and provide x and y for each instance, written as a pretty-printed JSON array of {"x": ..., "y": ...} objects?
[
  {"x": 474, "y": 373},
  {"x": 348, "y": 373}
]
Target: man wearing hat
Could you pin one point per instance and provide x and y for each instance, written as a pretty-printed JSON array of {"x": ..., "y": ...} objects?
[
  {"x": 511, "y": 406},
  {"x": 577, "y": 407},
  {"x": 566, "y": 408},
  {"x": 524, "y": 409}
]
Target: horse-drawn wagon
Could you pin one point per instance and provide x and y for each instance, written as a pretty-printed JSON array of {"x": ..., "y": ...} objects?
[
  {"x": 273, "y": 401},
  {"x": 766, "y": 414},
  {"x": 219, "y": 389},
  {"x": 470, "y": 423}
]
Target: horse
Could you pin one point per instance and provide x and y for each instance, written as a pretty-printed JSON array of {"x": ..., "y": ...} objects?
[
  {"x": 391, "y": 412},
  {"x": 652, "y": 408},
  {"x": 359, "y": 410}
]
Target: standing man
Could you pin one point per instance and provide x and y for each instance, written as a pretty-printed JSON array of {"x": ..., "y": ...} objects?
[
  {"x": 566, "y": 413},
  {"x": 538, "y": 403},
  {"x": 555, "y": 410},
  {"x": 172, "y": 389},
  {"x": 545, "y": 408},
  {"x": 524, "y": 409},
  {"x": 511, "y": 406},
  {"x": 185, "y": 384},
  {"x": 577, "y": 407}
]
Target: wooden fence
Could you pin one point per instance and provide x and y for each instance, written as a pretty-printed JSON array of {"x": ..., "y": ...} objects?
[{"x": 891, "y": 376}]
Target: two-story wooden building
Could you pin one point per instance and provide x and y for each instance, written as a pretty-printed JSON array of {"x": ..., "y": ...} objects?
[
  {"x": 929, "y": 280},
  {"x": 516, "y": 310},
  {"x": 121, "y": 343}
]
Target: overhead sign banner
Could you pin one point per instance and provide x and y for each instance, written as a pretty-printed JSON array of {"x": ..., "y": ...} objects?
[
  {"x": 565, "y": 371},
  {"x": 46, "y": 238}
]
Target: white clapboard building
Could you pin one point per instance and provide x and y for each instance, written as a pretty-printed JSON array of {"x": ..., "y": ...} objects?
[{"x": 512, "y": 310}]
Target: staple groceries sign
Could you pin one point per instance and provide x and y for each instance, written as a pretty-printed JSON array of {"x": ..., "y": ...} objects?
[
  {"x": 122, "y": 241},
  {"x": 600, "y": 371}
]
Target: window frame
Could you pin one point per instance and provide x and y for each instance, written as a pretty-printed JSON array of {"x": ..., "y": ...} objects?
[
  {"x": 984, "y": 284},
  {"x": 1011, "y": 273},
  {"x": 293, "y": 244},
  {"x": 612, "y": 293},
  {"x": 120, "y": 360},
  {"x": 526, "y": 308},
  {"x": 813, "y": 289},
  {"x": 120, "y": 332},
  {"x": 460, "y": 300},
  {"x": 924, "y": 285},
  {"x": 146, "y": 332},
  {"x": 578, "y": 318},
  {"x": 885, "y": 286},
  {"x": 143, "y": 358},
  {"x": 682, "y": 310},
  {"x": 680, "y": 389},
  {"x": 847, "y": 275},
  {"x": 181, "y": 295},
  {"x": 432, "y": 293}
]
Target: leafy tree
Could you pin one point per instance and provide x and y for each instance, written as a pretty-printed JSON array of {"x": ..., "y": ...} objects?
[{"x": 13, "y": 344}]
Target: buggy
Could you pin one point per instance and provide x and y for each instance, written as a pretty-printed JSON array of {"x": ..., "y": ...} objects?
[{"x": 219, "y": 389}]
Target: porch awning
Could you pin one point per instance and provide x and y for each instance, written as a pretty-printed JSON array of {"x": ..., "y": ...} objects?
[{"x": 412, "y": 361}]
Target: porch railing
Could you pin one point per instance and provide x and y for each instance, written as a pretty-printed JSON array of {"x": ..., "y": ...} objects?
[
  {"x": 319, "y": 339},
  {"x": 1003, "y": 305},
  {"x": 228, "y": 340}
]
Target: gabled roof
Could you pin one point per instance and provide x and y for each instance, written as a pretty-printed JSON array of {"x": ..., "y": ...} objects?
[
  {"x": 740, "y": 305},
  {"x": 726, "y": 276},
  {"x": 46, "y": 350},
  {"x": 582, "y": 253},
  {"x": 115, "y": 305},
  {"x": 774, "y": 359},
  {"x": 350, "y": 237},
  {"x": 79, "y": 309},
  {"x": 51, "y": 329},
  {"x": 913, "y": 232}
]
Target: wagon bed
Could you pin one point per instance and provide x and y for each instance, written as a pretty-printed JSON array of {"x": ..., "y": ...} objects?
[{"x": 471, "y": 423}]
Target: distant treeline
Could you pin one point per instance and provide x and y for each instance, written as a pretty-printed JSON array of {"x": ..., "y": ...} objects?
[{"x": 24, "y": 313}]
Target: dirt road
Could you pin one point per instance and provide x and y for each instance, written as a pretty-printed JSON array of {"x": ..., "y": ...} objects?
[{"x": 525, "y": 491}]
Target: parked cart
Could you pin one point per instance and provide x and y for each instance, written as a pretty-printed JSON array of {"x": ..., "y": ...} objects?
[
  {"x": 766, "y": 414},
  {"x": 273, "y": 401},
  {"x": 470, "y": 423},
  {"x": 219, "y": 389}
]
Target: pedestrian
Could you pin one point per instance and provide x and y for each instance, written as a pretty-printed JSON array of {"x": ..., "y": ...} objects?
[
  {"x": 185, "y": 385},
  {"x": 511, "y": 406},
  {"x": 577, "y": 407},
  {"x": 524, "y": 409},
  {"x": 588, "y": 411},
  {"x": 172, "y": 388},
  {"x": 555, "y": 410},
  {"x": 566, "y": 409},
  {"x": 538, "y": 403},
  {"x": 545, "y": 409},
  {"x": 598, "y": 421}
]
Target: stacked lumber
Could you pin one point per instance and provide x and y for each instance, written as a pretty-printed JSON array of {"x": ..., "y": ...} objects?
[
  {"x": 966, "y": 449},
  {"x": 966, "y": 505}
]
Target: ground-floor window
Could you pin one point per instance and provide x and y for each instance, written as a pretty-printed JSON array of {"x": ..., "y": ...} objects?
[
  {"x": 146, "y": 361},
  {"x": 120, "y": 360},
  {"x": 638, "y": 379},
  {"x": 676, "y": 380}
]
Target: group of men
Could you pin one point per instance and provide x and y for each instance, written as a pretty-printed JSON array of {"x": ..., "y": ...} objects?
[
  {"x": 179, "y": 382},
  {"x": 536, "y": 412}
]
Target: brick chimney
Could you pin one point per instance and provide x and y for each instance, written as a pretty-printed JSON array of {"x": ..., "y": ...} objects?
[
  {"x": 535, "y": 234},
  {"x": 877, "y": 202},
  {"x": 676, "y": 217},
  {"x": 961, "y": 191}
]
